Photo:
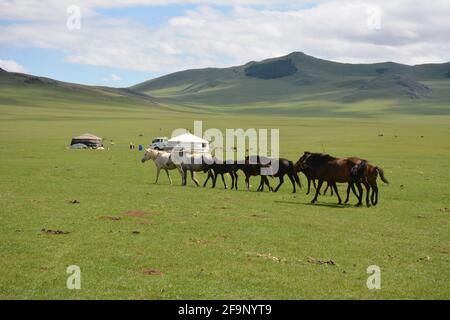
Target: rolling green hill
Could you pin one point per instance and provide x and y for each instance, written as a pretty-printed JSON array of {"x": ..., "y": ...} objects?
[{"x": 298, "y": 83}]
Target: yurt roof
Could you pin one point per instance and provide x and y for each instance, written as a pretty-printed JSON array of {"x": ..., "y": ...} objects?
[
  {"x": 87, "y": 136},
  {"x": 188, "y": 137}
]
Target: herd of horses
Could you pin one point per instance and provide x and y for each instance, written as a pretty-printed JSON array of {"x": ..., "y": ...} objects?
[{"x": 356, "y": 172}]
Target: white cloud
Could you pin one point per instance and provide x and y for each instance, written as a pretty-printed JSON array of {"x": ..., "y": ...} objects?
[
  {"x": 410, "y": 32},
  {"x": 112, "y": 78},
  {"x": 12, "y": 66}
]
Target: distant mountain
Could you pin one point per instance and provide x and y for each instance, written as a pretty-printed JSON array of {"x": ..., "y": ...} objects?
[{"x": 298, "y": 80}]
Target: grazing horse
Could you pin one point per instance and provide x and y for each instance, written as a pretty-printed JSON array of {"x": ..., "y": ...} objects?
[
  {"x": 218, "y": 167},
  {"x": 285, "y": 167},
  {"x": 370, "y": 183},
  {"x": 162, "y": 160},
  {"x": 194, "y": 163},
  {"x": 252, "y": 166},
  {"x": 335, "y": 170}
]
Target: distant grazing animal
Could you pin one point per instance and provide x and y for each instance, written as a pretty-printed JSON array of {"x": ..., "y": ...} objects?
[
  {"x": 163, "y": 161},
  {"x": 285, "y": 167},
  {"x": 335, "y": 170},
  {"x": 220, "y": 167}
]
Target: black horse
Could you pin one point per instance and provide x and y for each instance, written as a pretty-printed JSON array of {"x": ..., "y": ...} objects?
[
  {"x": 253, "y": 166},
  {"x": 218, "y": 167},
  {"x": 285, "y": 167}
]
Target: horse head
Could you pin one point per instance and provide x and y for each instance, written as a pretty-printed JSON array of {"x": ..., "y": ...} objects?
[
  {"x": 149, "y": 154},
  {"x": 301, "y": 163}
]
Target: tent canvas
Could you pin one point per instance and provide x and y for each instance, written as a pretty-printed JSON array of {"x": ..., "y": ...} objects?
[
  {"x": 189, "y": 142},
  {"x": 89, "y": 140}
]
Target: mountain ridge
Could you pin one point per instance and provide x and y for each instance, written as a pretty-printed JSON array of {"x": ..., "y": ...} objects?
[{"x": 298, "y": 78}]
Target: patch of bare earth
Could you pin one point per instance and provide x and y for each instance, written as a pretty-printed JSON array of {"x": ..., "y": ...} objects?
[
  {"x": 109, "y": 218},
  {"x": 138, "y": 214},
  {"x": 54, "y": 232},
  {"x": 321, "y": 262},
  {"x": 152, "y": 272},
  {"x": 268, "y": 256}
]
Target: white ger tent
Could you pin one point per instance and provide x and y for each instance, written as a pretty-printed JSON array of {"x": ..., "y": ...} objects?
[{"x": 187, "y": 142}]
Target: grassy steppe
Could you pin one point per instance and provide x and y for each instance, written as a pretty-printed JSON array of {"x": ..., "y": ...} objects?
[{"x": 213, "y": 243}]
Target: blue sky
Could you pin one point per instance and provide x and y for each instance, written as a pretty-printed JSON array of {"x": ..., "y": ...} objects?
[{"x": 121, "y": 43}]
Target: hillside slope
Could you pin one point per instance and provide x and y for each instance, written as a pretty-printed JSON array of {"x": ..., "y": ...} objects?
[
  {"x": 28, "y": 90},
  {"x": 299, "y": 82}
]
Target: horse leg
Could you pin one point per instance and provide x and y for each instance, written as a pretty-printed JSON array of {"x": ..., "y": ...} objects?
[
  {"x": 334, "y": 186},
  {"x": 375, "y": 194},
  {"x": 214, "y": 179},
  {"x": 168, "y": 176},
  {"x": 281, "y": 182},
  {"x": 317, "y": 191},
  {"x": 266, "y": 181},
  {"x": 236, "y": 180},
  {"x": 293, "y": 183},
  {"x": 158, "y": 170},
  {"x": 193, "y": 178},
  {"x": 247, "y": 182},
  {"x": 309, "y": 186},
  {"x": 261, "y": 185},
  {"x": 224, "y": 183},
  {"x": 366, "y": 184},
  {"x": 360, "y": 190},
  {"x": 232, "y": 179},
  {"x": 184, "y": 178},
  {"x": 349, "y": 187},
  {"x": 207, "y": 179}
]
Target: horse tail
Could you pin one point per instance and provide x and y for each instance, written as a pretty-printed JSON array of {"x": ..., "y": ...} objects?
[
  {"x": 381, "y": 173},
  {"x": 294, "y": 174}
]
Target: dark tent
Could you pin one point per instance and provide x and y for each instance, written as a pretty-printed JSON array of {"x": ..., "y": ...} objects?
[{"x": 89, "y": 140}]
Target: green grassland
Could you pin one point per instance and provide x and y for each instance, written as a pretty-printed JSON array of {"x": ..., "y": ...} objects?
[{"x": 214, "y": 243}]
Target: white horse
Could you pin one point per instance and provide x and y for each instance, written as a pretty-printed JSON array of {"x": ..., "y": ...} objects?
[{"x": 162, "y": 160}]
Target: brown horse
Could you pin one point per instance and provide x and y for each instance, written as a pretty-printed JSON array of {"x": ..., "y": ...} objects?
[
  {"x": 309, "y": 174},
  {"x": 335, "y": 170},
  {"x": 370, "y": 182}
]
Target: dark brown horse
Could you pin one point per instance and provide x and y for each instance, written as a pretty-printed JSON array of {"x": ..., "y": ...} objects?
[
  {"x": 309, "y": 174},
  {"x": 335, "y": 170}
]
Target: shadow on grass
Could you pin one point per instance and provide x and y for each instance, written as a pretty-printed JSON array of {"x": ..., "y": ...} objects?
[{"x": 329, "y": 205}]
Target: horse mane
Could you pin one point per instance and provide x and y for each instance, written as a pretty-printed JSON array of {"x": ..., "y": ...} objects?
[{"x": 319, "y": 158}]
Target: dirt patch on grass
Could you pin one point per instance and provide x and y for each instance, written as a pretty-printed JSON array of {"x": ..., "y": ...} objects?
[
  {"x": 199, "y": 241},
  {"x": 152, "y": 272},
  {"x": 321, "y": 262},
  {"x": 138, "y": 213},
  {"x": 445, "y": 209},
  {"x": 54, "y": 232},
  {"x": 109, "y": 218},
  {"x": 267, "y": 256}
]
